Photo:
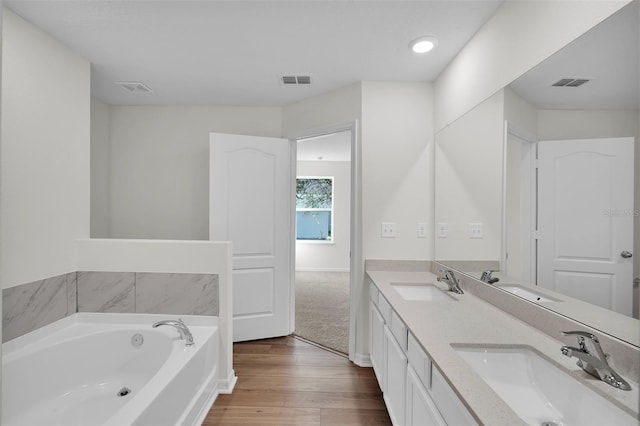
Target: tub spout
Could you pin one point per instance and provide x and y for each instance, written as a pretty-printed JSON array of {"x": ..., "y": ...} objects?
[{"x": 182, "y": 328}]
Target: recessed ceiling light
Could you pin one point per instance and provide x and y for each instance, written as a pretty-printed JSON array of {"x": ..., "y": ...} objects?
[{"x": 423, "y": 44}]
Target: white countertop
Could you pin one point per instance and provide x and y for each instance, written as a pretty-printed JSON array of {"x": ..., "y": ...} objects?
[{"x": 471, "y": 320}]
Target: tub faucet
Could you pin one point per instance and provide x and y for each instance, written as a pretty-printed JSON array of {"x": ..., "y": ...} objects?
[
  {"x": 185, "y": 333},
  {"x": 451, "y": 280},
  {"x": 592, "y": 359}
]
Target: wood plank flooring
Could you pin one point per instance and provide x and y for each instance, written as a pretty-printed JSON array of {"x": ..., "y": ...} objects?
[{"x": 286, "y": 381}]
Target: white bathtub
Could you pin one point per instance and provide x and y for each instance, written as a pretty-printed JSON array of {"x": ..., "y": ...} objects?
[{"x": 71, "y": 372}]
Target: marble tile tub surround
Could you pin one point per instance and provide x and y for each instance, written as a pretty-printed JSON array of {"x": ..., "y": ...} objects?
[
  {"x": 30, "y": 306},
  {"x": 470, "y": 320},
  {"x": 33, "y": 305}
]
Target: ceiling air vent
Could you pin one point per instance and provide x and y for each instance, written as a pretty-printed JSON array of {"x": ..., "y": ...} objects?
[
  {"x": 570, "y": 82},
  {"x": 304, "y": 79},
  {"x": 134, "y": 86},
  {"x": 296, "y": 79}
]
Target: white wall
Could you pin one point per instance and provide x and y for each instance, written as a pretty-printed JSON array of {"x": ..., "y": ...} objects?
[
  {"x": 1, "y": 314},
  {"x": 159, "y": 165},
  {"x": 100, "y": 156},
  {"x": 518, "y": 36},
  {"x": 44, "y": 153},
  {"x": 336, "y": 107},
  {"x": 469, "y": 170},
  {"x": 636, "y": 225},
  {"x": 321, "y": 256},
  {"x": 570, "y": 124},
  {"x": 397, "y": 159},
  {"x": 521, "y": 115}
]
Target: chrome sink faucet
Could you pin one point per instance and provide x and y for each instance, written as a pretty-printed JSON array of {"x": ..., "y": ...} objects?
[
  {"x": 592, "y": 359},
  {"x": 487, "y": 278},
  {"x": 185, "y": 333},
  {"x": 451, "y": 280}
]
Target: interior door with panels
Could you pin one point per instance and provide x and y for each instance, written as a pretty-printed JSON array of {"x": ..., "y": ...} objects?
[
  {"x": 585, "y": 220},
  {"x": 251, "y": 206}
]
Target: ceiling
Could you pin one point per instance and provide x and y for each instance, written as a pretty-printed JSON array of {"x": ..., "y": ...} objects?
[
  {"x": 608, "y": 55},
  {"x": 199, "y": 52},
  {"x": 331, "y": 147}
]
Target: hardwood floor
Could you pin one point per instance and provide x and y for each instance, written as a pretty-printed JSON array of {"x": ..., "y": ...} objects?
[{"x": 286, "y": 381}]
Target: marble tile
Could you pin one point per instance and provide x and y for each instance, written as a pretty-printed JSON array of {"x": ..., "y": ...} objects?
[
  {"x": 178, "y": 294},
  {"x": 72, "y": 293},
  {"x": 106, "y": 291},
  {"x": 33, "y": 305}
]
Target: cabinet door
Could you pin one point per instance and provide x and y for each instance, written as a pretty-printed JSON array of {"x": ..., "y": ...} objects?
[
  {"x": 449, "y": 405},
  {"x": 376, "y": 341},
  {"x": 395, "y": 376},
  {"x": 421, "y": 410}
]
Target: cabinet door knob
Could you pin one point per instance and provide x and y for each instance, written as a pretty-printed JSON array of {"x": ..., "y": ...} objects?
[{"x": 626, "y": 254}]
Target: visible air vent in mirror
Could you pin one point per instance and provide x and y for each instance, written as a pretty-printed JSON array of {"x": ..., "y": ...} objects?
[
  {"x": 570, "y": 82},
  {"x": 134, "y": 86},
  {"x": 577, "y": 82}
]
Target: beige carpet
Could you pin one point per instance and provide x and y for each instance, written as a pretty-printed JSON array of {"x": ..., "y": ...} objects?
[{"x": 322, "y": 308}]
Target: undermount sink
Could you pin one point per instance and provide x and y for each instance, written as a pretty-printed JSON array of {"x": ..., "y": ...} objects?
[
  {"x": 421, "y": 291},
  {"x": 527, "y": 294},
  {"x": 540, "y": 392}
]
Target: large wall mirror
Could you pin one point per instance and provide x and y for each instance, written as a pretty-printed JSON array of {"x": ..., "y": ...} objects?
[{"x": 541, "y": 182}]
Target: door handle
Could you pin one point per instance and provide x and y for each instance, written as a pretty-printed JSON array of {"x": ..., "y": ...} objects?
[{"x": 626, "y": 254}]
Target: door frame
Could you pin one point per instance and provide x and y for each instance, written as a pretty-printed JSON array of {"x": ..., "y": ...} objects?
[
  {"x": 529, "y": 190},
  {"x": 356, "y": 264}
]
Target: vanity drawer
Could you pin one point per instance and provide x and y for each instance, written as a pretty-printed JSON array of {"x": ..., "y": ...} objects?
[
  {"x": 373, "y": 293},
  {"x": 419, "y": 360},
  {"x": 384, "y": 308},
  {"x": 451, "y": 408},
  {"x": 399, "y": 330}
]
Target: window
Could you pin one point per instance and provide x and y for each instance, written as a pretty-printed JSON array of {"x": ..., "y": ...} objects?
[{"x": 314, "y": 209}]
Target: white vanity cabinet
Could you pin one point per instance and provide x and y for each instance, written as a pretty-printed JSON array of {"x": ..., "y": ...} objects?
[
  {"x": 395, "y": 376},
  {"x": 376, "y": 337},
  {"x": 414, "y": 391},
  {"x": 421, "y": 411}
]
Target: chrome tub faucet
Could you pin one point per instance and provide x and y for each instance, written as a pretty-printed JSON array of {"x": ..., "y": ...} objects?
[
  {"x": 592, "y": 359},
  {"x": 185, "y": 333},
  {"x": 451, "y": 280}
]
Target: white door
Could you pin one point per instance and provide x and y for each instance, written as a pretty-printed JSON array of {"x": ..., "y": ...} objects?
[
  {"x": 585, "y": 220},
  {"x": 250, "y": 205}
]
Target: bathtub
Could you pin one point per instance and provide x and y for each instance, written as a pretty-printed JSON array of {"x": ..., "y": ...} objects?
[{"x": 110, "y": 369}]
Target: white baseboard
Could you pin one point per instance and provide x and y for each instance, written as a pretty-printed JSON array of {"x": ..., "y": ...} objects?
[
  {"x": 227, "y": 386},
  {"x": 322, "y": 270},
  {"x": 362, "y": 360}
]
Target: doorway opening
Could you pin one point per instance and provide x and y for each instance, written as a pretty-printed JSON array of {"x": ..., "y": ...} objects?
[{"x": 323, "y": 233}]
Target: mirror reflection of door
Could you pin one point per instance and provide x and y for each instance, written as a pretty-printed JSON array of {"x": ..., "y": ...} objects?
[{"x": 585, "y": 220}]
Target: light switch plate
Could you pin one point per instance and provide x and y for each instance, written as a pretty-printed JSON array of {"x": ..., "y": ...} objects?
[
  {"x": 475, "y": 230},
  {"x": 388, "y": 230}
]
